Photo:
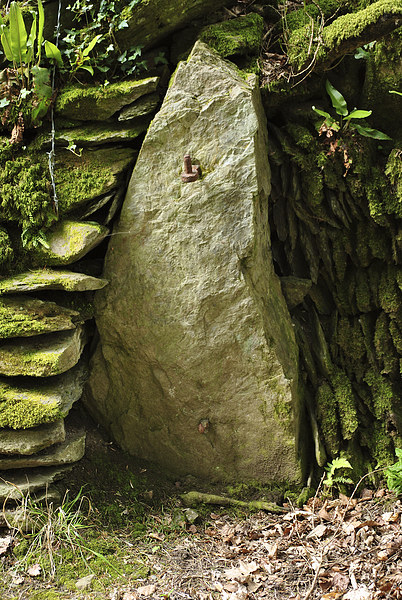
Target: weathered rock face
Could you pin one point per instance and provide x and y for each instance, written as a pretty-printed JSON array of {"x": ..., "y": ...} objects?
[{"x": 195, "y": 333}]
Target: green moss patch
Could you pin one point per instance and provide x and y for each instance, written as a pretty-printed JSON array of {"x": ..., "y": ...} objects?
[{"x": 242, "y": 35}]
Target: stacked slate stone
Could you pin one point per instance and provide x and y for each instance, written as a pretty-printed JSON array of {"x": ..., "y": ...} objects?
[{"x": 46, "y": 311}]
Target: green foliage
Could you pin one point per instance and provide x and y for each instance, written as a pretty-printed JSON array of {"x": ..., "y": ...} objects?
[
  {"x": 394, "y": 474},
  {"x": 346, "y": 117},
  {"x": 333, "y": 480},
  {"x": 25, "y": 91},
  {"x": 96, "y": 26}
]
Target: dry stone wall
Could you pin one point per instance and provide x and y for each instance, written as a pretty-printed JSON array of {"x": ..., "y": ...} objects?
[{"x": 46, "y": 312}]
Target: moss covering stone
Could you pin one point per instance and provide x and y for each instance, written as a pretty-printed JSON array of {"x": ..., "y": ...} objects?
[
  {"x": 98, "y": 103},
  {"x": 242, "y": 35}
]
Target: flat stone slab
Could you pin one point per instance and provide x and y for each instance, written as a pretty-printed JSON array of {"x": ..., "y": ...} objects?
[
  {"x": 14, "y": 486},
  {"x": 98, "y": 104},
  {"x": 44, "y": 355},
  {"x": 95, "y": 135},
  {"x": 46, "y": 279},
  {"x": 194, "y": 328},
  {"x": 26, "y": 403},
  {"x": 70, "y": 451},
  {"x": 30, "y": 441},
  {"x": 21, "y": 316},
  {"x": 92, "y": 172},
  {"x": 140, "y": 108},
  {"x": 69, "y": 241}
]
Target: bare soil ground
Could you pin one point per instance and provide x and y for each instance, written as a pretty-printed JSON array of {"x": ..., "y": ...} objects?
[{"x": 142, "y": 543}]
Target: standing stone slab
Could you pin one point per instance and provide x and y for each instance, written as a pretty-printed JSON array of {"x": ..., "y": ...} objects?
[{"x": 193, "y": 326}]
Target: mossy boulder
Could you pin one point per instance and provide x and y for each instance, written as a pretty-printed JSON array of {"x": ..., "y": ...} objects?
[
  {"x": 21, "y": 316},
  {"x": 67, "y": 242},
  {"x": 44, "y": 355},
  {"x": 96, "y": 103}
]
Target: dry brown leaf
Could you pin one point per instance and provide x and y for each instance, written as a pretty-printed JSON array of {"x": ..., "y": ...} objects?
[
  {"x": 341, "y": 582},
  {"x": 360, "y": 593},
  {"x": 129, "y": 596},
  {"x": 332, "y": 596},
  {"x": 318, "y": 531},
  {"x": 146, "y": 590},
  {"x": 34, "y": 570},
  {"x": 5, "y": 543},
  {"x": 324, "y": 514}
]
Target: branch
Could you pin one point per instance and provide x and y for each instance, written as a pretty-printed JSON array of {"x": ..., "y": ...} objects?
[{"x": 349, "y": 32}]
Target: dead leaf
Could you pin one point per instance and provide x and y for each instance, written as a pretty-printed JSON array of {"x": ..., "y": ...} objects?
[
  {"x": 318, "y": 531},
  {"x": 360, "y": 593},
  {"x": 341, "y": 582},
  {"x": 157, "y": 536},
  {"x": 332, "y": 596},
  {"x": 5, "y": 544},
  {"x": 34, "y": 570},
  {"x": 324, "y": 514},
  {"x": 146, "y": 590},
  {"x": 129, "y": 596}
]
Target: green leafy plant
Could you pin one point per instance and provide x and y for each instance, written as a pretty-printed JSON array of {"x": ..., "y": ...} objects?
[
  {"x": 333, "y": 479},
  {"x": 95, "y": 34},
  {"x": 394, "y": 474},
  {"x": 346, "y": 120},
  {"x": 364, "y": 51},
  {"x": 25, "y": 90}
]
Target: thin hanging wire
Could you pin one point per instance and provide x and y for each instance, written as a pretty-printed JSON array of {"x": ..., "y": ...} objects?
[{"x": 51, "y": 154}]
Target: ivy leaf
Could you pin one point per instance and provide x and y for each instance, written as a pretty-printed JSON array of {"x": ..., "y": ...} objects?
[
  {"x": 338, "y": 101},
  {"x": 123, "y": 24},
  {"x": 4, "y": 102},
  {"x": 87, "y": 68},
  {"x": 361, "y": 53},
  {"x": 371, "y": 133}
]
